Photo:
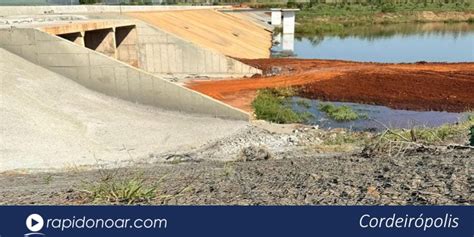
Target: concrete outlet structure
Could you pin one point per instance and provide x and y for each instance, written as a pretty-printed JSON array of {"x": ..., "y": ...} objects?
[
  {"x": 151, "y": 49},
  {"x": 116, "y": 40},
  {"x": 275, "y": 16},
  {"x": 289, "y": 20}
]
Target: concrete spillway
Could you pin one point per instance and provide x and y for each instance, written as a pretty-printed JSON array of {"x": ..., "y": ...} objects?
[{"x": 225, "y": 33}]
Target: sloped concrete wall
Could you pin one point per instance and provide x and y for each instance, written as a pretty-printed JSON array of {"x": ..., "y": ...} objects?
[
  {"x": 162, "y": 52},
  {"x": 109, "y": 76}
]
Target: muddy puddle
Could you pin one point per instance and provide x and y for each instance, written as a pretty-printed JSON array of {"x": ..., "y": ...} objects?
[
  {"x": 430, "y": 42},
  {"x": 374, "y": 117}
]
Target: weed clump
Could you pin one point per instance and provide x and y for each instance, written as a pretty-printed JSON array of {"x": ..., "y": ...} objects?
[
  {"x": 340, "y": 113},
  {"x": 437, "y": 135},
  {"x": 274, "y": 105},
  {"x": 121, "y": 190}
]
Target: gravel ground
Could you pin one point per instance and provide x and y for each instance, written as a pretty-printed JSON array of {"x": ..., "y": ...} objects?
[{"x": 297, "y": 176}]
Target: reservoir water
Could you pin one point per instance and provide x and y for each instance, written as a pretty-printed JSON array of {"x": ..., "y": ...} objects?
[{"x": 430, "y": 42}]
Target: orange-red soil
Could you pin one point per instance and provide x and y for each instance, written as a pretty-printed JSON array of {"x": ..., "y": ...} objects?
[{"x": 419, "y": 86}]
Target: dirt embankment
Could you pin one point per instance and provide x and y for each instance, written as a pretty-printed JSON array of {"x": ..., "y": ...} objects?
[
  {"x": 402, "y": 17},
  {"x": 445, "y": 16},
  {"x": 419, "y": 86}
]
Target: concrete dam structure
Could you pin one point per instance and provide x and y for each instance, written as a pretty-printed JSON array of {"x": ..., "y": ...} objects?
[
  {"x": 88, "y": 85},
  {"x": 128, "y": 59}
]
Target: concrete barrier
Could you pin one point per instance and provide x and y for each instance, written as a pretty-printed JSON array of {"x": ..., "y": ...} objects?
[
  {"x": 38, "y": 10},
  {"x": 109, "y": 76}
]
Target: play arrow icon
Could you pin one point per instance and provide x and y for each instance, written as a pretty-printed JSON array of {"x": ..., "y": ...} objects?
[{"x": 34, "y": 222}]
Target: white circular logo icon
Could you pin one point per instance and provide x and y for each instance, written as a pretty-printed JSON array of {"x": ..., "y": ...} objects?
[{"x": 34, "y": 222}]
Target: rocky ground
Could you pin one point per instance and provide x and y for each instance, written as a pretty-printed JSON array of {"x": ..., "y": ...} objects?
[{"x": 270, "y": 165}]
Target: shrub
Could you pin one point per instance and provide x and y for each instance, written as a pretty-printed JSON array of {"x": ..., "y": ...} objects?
[
  {"x": 273, "y": 105},
  {"x": 339, "y": 113},
  {"x": 123, "y": 189}
]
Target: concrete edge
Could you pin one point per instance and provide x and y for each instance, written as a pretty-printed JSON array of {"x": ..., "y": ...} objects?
[{"x": 71, "y": 9}]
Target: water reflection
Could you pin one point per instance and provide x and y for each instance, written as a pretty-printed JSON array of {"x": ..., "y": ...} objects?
[
  {"x": 288, "y": 42},
  {"x": 284, "y": 45},
  {"x": 376, "y": 32}
]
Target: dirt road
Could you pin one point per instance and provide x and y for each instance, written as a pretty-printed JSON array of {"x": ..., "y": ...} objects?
[{"x": 419, "y": 86}]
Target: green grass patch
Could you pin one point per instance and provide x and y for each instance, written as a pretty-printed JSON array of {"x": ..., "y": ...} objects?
[
  {"x": 274, "y": 105},
  {"x": 336, "y": 18},
  {"x": 396, "y": 142},
  {"x": 341, "y": 139},
  {"x": 121, "y": 189},
  {"x": 437, "y": 135},
  {"x": 340, "y": 113}
]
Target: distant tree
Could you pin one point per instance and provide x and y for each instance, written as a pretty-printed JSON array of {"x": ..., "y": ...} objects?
[{"x": 291, "y": 4}]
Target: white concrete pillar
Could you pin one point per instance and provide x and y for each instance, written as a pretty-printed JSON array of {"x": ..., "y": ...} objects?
[
  {"x": 289, "y": 20},
  {"x": 276, "y": 16}
]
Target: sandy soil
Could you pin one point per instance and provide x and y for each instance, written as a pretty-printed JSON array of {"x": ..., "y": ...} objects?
[
  {"x": 420, "y": 86},
  {"x": 49, "y": 122},
  {"x": 222, "y": 32}
]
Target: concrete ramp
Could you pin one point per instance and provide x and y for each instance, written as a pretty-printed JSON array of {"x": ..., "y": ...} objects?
[
  {"x": 47, "y": 121},
  {"x": 107, "y": 75},
  {"x": 227, "y": 34}
]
